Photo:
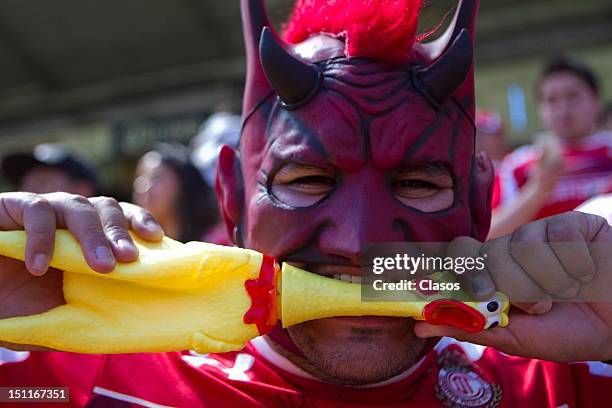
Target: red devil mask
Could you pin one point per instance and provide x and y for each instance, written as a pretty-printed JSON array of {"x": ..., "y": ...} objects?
[{"x": 364, "y": 105}]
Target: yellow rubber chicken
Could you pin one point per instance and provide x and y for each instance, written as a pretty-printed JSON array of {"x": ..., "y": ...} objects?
[{"x": 204, "y": 297}]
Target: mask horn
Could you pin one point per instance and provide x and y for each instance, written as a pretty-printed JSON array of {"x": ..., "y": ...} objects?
[
  {"x": 453, "y": 51},
  {"x": 254, "y": 19},
  {"x": 444, "y": 76},
  {"x": 294, "y": 81},
  {"x": 464, "y": 18}
]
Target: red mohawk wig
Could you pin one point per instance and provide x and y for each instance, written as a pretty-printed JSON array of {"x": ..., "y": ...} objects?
[{"x": 377, "y": 29}]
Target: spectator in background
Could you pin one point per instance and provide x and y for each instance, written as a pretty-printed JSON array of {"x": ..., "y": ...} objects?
[
  {"x": 49, "y": 168},
  {"x": 569, "y": 164},
  {"x": 606, "y": 117},
  {"x": 171, "y": 188},
  {"x": 219, "y": 129},
  {"x": 491, "y": 135},
  {"x": 491, "y": 139},
  {"x": 222, "y": 128}
]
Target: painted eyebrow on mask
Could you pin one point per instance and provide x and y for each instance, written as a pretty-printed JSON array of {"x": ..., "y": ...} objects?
[
  {"x": 435, "y": 169},
  {"x": 293, "y": 165},
  {"x": 298, "y": 165},
  {"x": 281, "y": 115}
]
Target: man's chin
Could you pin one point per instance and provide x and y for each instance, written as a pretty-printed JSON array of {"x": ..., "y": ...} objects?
[{"x": 357, "y": 350}]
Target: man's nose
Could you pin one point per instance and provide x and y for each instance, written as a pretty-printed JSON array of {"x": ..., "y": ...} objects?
[{"x": 354, "y": 224}]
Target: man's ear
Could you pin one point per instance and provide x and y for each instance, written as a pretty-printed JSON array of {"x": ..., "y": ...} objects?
[
  {"x": 229, "y": 187},
  {"x": 483, "y": 176}
]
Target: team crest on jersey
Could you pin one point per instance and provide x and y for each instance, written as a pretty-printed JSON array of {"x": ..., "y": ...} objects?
[{"x": 459, "y": 386}]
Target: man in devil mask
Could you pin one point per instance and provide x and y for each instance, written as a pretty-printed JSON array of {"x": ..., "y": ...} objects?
[{"x": 355, "y": 132}]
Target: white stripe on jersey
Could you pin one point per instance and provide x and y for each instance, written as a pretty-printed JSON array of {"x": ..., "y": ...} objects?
[
  {"x": 600, "y": 369},
  {"x": 473, "y": 352},
  {"x": 242, "y": 364},
  {"x": 10, "y": 356},
  {"x": 127, "y": 398}
]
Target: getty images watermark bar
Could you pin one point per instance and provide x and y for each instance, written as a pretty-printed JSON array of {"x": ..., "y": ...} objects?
[{"x": 413, "y": 272}]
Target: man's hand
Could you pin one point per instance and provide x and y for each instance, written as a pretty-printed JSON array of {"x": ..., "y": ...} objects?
[
  {"x": 566, "y": 258},
  {"x": 550, "y": 165},
  {"x": 99, "y": 224}
]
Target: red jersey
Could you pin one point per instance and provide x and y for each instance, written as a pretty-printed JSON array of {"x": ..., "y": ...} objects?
[
  {"x": 452, "y": 374},
  {"x": 588, "y": 172}
]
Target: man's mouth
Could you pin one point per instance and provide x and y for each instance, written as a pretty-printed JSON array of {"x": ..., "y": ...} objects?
[
  {"x": 346, "y": 273},
  {"x": 341, "y": 272}
]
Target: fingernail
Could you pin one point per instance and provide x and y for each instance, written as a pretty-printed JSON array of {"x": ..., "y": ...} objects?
[
  {"x": 571, "y": 291},
  {"x": 125, "y": 245},
  {"x": 480, "y": 282},
  {"x": 543, "y": 306},
  {"x": 421, "y": 331},
  {"x": 152, "y": 225},
  {"x": 104, "y": 254},
  {"x": 481, "y": 287},
  {"x": 40, "y": 263},
  {"x": 422, "y": 334},
  {"x": 586, "y": 278}
]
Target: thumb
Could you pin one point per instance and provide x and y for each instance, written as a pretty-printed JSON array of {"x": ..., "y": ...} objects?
[{"x": 499, "y": 338}]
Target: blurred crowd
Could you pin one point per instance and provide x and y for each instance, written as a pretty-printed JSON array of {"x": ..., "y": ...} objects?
[
  {"x": 568, "y": 163},
  {"x": 175, "y": 183}
]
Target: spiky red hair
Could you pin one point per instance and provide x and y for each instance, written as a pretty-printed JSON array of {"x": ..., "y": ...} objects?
[{"x": 377, "y": 29}]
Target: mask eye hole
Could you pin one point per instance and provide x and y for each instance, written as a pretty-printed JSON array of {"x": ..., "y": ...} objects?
[
  {"x": 301, "y": 185},
  {"x": 426, "y": 188}
]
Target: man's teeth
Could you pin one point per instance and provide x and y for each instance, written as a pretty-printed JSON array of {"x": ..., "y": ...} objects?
[{"x": 347, "y": 278}]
